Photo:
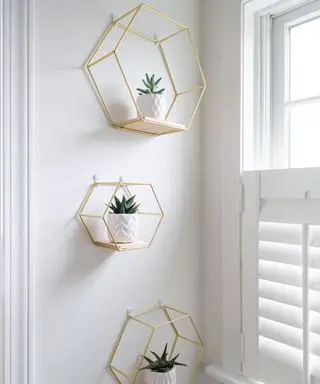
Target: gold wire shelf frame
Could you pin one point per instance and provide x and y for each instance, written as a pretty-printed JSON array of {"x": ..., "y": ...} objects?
[
  {"x": 102, "y": 217},
  {"x": 170, "y": 322},
  {"x": 144, "y": 124}
]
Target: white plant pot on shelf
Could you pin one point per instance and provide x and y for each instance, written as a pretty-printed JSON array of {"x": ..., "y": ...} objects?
[
  {"x": 152, "y": 105},
  {"x": 160, "y": 378},
  {"x": 123, "y": 227}
]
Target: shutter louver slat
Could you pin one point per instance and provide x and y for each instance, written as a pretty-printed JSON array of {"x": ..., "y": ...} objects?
[
  {"x": 280, "y": 273},
  {"x": 282, "y": 293},
  {"x": 281, "y": 313},
  {"x": 280, "y": 332},
  {"x": 281, "y": 250},
  {"x": 280, "y": 233},
  {"x": 280, "y": 253}
]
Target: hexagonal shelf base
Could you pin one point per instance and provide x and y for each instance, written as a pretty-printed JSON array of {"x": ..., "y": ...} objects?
[
  {"x": 151, "y": 126},
  {"x": 124, "y": 247}
]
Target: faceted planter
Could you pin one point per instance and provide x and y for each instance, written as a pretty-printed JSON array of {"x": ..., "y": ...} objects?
[
  {"x": 150, "y": 330},
  {"x": 116, "y": 67},
  {"x": 121, "y": 232},
  {"x": 160, "y": 378}
]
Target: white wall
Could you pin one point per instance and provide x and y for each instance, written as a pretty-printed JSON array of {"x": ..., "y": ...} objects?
[
  {"x": 221, "y": 33},
  {"x": 82, "y": 291}
]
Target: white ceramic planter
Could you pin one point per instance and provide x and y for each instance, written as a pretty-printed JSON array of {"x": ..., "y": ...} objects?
[
  {"x": 123, "y": 227},
  {"x": 160, "y": 378},
  {"x": 152, "y": 106}
]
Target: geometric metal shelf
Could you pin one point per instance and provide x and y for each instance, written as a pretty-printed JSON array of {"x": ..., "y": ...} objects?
[
  {"x": 94, "y": 213},
  {"x": 107, "y": 56},
  {"x": 151, "y": 126},
  {"x": 172, "y": 318}
]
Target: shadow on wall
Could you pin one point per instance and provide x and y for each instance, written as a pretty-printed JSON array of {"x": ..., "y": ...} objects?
[{"x": 85, "y": 257}]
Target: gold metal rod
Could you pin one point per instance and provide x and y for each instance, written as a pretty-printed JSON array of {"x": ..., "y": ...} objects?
[
  {"x": 116, "y": 183},
  {"x": 90, "y": 216},
  {"x": 135, "y": 131},
  {"x": 128, "y": 86},
  {"x": 190, "y": 340},
  {"x": 149, "y": 214},
  {"x": 171, "y": 106},
  {"x": 101, "y": 59},
  {"x": 170, "y": 322},
  {"x": 174, "y": 345},
  {"x": 196, "y": 331},
  {"x": 176, "y": 310},
  {"x": 100, "y": 42},
  {"x": 197, "y": 58},
  {"x": 121, "y": 373},
  {"x": 172, "y": 35},
  {"x": 156, "y": 197},
  {"x": 155, "y": 232},
  {"x": 164, "y": 16},
  {"x": 135, "y": 32},
  {"x": 192, "y": 90},
  {"x": 115, "y": 375},
  {"x": 143, "y": 323},
  {"x": 144, "y": 353},
  {"x": 99, "y": 95},
  {"x": 90, "y": 190},
  {"x": 128, "y": 27},
  {"x": 165, "y": 62},
  {"x": 87, "y": 229},
  {"x": 152, "y": 309},
  {"x": 114, "y": 350},
  {"x": 127, "y": 14},
  {"x": 112, "y": 197},
  {"x": 170, "y": 319},
  {"x": 197, "y": 365},
  {"x": 110, "y": 234},
  {"x": 196, "y": 108}
]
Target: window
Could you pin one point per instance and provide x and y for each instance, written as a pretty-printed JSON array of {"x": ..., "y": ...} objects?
[
  {"x": 281, "y": 217},
  {"x": 295, "y": 85}
]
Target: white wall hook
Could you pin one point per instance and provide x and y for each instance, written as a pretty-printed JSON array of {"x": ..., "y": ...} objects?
[
  {"x": 121, "y": 179},
  {"x": 129, "y": 311},
  {"x": 94, "y": 178}
]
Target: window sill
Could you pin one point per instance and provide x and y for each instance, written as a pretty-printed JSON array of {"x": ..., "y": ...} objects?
[{"x": 218, "y": 373}]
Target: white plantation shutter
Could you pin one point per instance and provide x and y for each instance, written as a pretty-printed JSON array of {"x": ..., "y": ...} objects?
[{"x": 281, "y": 276}]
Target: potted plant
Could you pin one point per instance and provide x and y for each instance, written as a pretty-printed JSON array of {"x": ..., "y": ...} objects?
[
  {"x": 161, "y": 370},
  {"x": 122, "y": 219},
  {"x": 150, "y": 100}
]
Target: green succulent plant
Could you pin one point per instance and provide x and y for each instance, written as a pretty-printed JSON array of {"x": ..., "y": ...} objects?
[
  {"x": 151, "y": 86},
  {"x": 124, "y": 206},
  {"x": 161, "y": 364}
]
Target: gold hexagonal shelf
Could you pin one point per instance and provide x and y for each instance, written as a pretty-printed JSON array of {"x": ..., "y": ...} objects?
[
  {"x": 150, "y": 330},
  {"x": 145, "y": 40},
  {"x": 121, "y": 231}
]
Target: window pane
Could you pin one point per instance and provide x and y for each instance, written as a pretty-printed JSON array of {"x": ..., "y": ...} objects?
[
  {"x": 305, "y": 60},
  {"x": 305, "y": 135}
]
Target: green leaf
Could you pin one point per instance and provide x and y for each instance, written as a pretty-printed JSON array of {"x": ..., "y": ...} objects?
[
  {"x": 118, "y": 202},
  {"x": 148, "y": 78},
  {"x": 143, "y": 91},
  {"x": 131, "y": 200},
  {"x": 164, "y": 354},
  {"x": 156, "y": 355},
  {"x": 175, "y": 358},
  {"x": 148, "y": 359},
  {"x": 181, "y": 364},
  {"x": 145, "y": 83},
  {"x": 158, "y": 81}
]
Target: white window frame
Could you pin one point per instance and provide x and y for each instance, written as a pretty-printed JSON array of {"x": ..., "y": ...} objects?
[
  {"x": 16, "y": 290},
  {"x": 279, "y": 127},
  {"x": 255, "y": 154}
]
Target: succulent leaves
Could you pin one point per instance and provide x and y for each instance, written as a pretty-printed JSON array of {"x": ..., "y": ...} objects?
[
  {"x": 161, "y": 364},
  {"x": 124, "y": 206},
  {"x": 151, "y": 86}
]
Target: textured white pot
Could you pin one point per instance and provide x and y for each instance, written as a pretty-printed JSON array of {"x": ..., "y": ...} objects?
[
  {"x": 152, "y": 106},
  {"x": 160, "y": 378},
  {"x": 123, "y": 227}
]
